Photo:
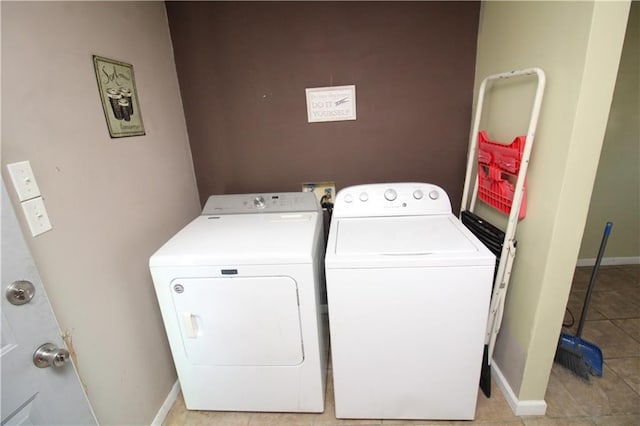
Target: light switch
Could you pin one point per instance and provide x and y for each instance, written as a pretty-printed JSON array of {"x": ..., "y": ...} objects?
[
  {"x": 36, "y": 215},
  {"x": 23, "y": 180}
]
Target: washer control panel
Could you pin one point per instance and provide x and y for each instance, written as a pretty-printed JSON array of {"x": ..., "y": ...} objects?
[
  {"x": 267, "y": 203},
  {"x": 391, "y": 199}
]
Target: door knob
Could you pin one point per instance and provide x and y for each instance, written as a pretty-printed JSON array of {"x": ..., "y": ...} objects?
[{"x": 49, "y": 355}]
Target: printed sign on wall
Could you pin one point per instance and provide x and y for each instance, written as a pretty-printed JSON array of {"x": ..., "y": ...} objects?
[
  {"x": 331, "y": 103},
  {"x": 117, "y": 88}
]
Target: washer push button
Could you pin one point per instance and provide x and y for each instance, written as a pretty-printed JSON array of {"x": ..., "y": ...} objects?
[{"x": 390, "y": 194}]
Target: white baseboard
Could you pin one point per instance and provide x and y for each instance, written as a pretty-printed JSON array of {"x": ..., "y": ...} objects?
[
  {"x": 519, "y": 408},
  {"x": 608, "y": 261},
  {"x": 166, "y": 405}
]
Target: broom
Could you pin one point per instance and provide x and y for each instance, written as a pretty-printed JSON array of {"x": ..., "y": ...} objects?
[{"x": 577, "y": 355}]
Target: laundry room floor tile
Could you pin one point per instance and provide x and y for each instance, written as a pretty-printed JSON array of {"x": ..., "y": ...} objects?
[
  {"x": 576, "y": 300},
  {"x": 625, "y": 420},
  {"x": 603, "y": 396},
  {"x": 608, "y": 278},
  {"x": 633, "y": 272},
  {"x": 495, "y": 408},
  {"x": 217, "y": 418},
  {"x": 545, "y": 421},
  {"x": 284, "y": 419},
  {"x": 628, "y": 369},
  {"x": 450, "y": 423},
  {"x": 560, "y": 402},
  {"x": 613, "y": 341},
  {"x": 630, "y": 326},
  {"x": 617, "y": 304},
  {"x": 177, "y": 414}
]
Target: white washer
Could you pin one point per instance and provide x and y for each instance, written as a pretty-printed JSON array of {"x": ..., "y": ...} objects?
[
  {"x": 239, "y": 291},
  {"x": 408, "y": 291}
]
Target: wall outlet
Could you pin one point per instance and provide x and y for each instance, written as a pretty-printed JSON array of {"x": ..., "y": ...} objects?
[{"x": 325, "y": 192}]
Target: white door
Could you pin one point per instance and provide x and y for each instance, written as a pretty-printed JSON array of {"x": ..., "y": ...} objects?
[{"x": 32, "y": 395}]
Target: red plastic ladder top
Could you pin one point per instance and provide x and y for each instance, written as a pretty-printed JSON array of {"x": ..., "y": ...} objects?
[{"x": 498, "y": 168}]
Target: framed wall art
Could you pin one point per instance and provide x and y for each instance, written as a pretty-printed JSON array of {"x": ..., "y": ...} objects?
[{"x": 117, "y": 87}]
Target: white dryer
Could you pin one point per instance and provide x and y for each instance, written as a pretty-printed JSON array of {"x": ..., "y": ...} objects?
[
  {"x": 239, "y": 291},
  {"x": 408, "y": 291}
]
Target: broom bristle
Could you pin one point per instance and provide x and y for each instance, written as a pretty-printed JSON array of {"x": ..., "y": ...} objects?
[{"x": 573, "y": 362}]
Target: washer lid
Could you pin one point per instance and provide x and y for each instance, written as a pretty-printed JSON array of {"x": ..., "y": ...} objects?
[
  {"x": 243, "y": 239},
  {"x": 396, "y": 240}
]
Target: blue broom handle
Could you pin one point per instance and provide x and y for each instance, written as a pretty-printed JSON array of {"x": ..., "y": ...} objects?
[{"x": 594, "y": 273}]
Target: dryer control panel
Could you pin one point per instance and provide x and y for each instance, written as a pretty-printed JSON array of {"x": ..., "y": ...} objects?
[
  {"x": 391, "y": 199},
  {"x": 267, "y": 202}
]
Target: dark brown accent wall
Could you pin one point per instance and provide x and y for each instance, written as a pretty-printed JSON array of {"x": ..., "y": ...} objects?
[{"x": 243, "y": 69}]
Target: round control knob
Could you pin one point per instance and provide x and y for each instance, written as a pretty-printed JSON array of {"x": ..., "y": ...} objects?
[
  {"x": 348, "y": 198},
  {"x": 434, "y": 195},
  {"x": 417, "y": 194},
  {"x": 259, "y": 202},
  {"x": 364, "y": 197},
  {"x": 390, "y": 194}
]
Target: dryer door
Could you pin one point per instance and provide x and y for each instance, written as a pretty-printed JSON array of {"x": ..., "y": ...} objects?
[{"x": 239, "y": 321}]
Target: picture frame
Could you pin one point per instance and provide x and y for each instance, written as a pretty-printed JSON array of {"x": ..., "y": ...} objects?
[
  {"x": 117, "y": 87},
  {"x": 334, "y": 103}
]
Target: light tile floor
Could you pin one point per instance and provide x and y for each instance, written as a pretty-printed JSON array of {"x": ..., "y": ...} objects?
[{"x": 613, "y": 324}]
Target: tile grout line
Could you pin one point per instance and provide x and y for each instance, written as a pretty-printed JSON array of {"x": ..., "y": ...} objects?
[{"x": 623, "y": 330}]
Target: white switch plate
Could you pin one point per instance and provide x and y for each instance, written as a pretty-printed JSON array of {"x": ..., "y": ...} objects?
[
  {"x": 23, "y": 180},
  {"x": 336, "y": 103},
  {"x": 36, "y": 215}
]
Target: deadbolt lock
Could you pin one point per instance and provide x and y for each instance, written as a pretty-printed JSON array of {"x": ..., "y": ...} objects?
[{"x": 20, "y": 292}]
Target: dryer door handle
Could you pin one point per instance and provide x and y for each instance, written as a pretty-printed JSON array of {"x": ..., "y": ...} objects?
[{"x": 190, "y": 325}]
